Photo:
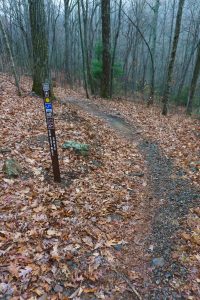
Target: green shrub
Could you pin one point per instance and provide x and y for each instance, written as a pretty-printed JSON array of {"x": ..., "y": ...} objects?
[{"x": 97, "y": 69}]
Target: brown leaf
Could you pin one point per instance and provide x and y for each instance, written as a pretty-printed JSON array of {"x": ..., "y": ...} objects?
[
  {"x": 52, "y": 232},
  {"x": 14, "y": 270},
  {"x": 88, "y": 241}
]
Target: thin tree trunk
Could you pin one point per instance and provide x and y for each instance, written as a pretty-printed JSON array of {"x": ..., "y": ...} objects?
[
  {"x": 142, "y": 36},
  {"x": 194, "y": 45},
  {"x": 106, "y": 76},
  {"x": 153, "y": 50},
  {"x": 85, "y": 43},
  {"x": 194, "y": 81},
  {"x": 115, "y": 47},
  {"x": 9, "y": 52},
  {"x": 184, "y": 74},
  {"x": 83, "y": 51},
  {"x": 53, "y": 46},
  {"x": 172, "y": 57},
  {"x": 67, "y": 34}
]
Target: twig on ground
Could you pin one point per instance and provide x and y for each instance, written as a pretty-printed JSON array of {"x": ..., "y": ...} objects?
[
  {"x": 128, "y": 282},
  {"x": 123, "y": 276}
]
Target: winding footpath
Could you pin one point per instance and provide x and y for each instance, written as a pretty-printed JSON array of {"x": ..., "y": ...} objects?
[{"x": 170, "y": 198}]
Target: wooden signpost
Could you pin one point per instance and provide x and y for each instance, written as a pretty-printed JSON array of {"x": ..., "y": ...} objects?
[{"x": 48, "y": 107}]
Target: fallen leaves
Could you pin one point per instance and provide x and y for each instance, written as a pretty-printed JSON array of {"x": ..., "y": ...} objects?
[
  {"x": 188, "y": 253},
  {"x": 55, "y": 253},
  {"x": 88, "y": 241},
  {"x": 60, "y": 241},
  {"x": 55, "y": 240},
  {"x": 14, "y": 270},
  {"x": 52, "y": 232},
  {"x": 113, "y": 243},
  {"x": 177, "y": 136},
  {"x": 24, "y": 272}
]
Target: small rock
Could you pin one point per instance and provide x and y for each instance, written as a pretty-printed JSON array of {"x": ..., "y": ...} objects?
[
  {"x": 118, "y": 247},
  {"x": 11, "y": 168},
  {"x": 114, "y": 217},
  {"x": 71, "y": 264},
  {"x": 168, "y": 275},
  {"x": 57, "y": 202},
  {"x": 58, "y": 288},
  {"x": 194, "y": 169},
  {"x": 33, "y": 94},
  {"x": 151, "y": 247},
  {"x": 158, "y": 262}
]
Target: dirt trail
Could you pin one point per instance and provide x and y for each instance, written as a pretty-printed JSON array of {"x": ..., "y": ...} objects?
[{"x": 170, "y": 198}]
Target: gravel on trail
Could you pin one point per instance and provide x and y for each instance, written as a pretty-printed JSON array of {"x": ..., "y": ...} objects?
[{"x": 171, "y": 198}]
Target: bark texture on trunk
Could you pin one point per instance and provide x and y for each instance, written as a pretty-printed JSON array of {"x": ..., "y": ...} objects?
[
  {"x": 153, "y": 50},
  {"x": 115, "y": 47},
  {"x": 85, "y": 15},
  {"x": 106, "y": 57},
  {"x": 67, "y": 46},
  {"x": 40, "y": 67},
  {"x": 83, "y": 51},
  {"x": 172, "y": 56}
]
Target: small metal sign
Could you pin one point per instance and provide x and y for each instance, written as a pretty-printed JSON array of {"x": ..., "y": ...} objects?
[{"x": 48, "y": 107}]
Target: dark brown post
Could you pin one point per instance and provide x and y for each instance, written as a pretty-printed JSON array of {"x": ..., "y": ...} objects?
[{"x": 48, "y": 107}]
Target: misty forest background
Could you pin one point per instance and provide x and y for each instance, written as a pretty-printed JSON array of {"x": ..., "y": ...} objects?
[{"x": 117, "y": 48}]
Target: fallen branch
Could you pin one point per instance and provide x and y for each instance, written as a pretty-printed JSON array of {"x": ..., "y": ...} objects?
[{"x": 128, "y": 282}]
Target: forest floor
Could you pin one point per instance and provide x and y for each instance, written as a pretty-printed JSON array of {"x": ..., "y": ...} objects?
[{"x": 125, "y": 221}]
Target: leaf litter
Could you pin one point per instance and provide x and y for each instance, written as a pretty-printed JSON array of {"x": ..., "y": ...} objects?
[
  {"x": 172, "y": 180},
  {"x": 57, "y": 241},
  {"x": 86, "y": 238}
]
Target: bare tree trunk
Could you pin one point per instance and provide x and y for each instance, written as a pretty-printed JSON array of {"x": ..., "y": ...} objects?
[
  {"x": 9, "y": 52},
  {"x": 53, "y": 43},
  {"x": 194, "y": 45},
  {"x": 85, "y": 43},
  {"x": 115, "y": 46},
  {"x": 168, "y": 51},
  {"x": 83, "y": 52},
  {"x": 172, "y": 57},
  {"x": 106, "y": 76},
  {"x": 142, "y": 36},
  {"x": 194, "y": 81},
  {"x": 67, "y": 41},
  {"x": 153, "y": 50},
  {"x": 39, "y": 44},
  {"x": 183, "y": 76}
]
